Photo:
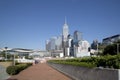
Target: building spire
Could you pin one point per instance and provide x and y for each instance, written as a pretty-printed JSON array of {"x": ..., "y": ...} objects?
[{"x": 65, "y": 20}]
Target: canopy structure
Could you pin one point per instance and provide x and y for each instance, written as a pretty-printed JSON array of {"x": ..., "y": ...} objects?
[{"x": 18, "y": 50}]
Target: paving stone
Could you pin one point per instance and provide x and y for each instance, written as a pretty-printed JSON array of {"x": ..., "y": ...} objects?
[{"x": 40, "y": 72}]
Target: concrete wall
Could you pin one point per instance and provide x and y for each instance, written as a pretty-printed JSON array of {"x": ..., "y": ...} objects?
[
  {"x": 83, "y": 73},
  {"x": 119, "y": 74}
]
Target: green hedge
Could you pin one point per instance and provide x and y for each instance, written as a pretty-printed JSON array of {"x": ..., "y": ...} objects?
[
  {"x": 74, "y": 62},
  {"x": 107, "y": 61},
  {"x": 13, "y": 70}
]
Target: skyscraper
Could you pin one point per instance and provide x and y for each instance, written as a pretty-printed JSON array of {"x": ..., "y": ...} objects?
[
  {"x": 47, "y": 45},
  {"x": 65, "y": 31},
  {"x": 53, "y": 43},
  {"x": 77, "y": 36},
  {"x": 59, "y": 43},
  {"x": 65, "y": 34}
]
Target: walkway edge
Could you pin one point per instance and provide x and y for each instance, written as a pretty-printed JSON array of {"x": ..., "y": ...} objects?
[
  {"x": 84, "y": 73},
  {"x": 63, "y": 72}
]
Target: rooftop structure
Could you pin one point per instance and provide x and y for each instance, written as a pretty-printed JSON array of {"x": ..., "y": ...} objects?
[{"x": 111, "y": 39}]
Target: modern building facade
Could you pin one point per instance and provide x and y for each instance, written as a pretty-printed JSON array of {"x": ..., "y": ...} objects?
[
  {"x": 47, "y": 45},
  {"x": 94, "y": 45},
  {"x": 69, "y": 46},
  {"x": 53, "y": 43},
  {"x": 111, "y": 39},
  {"x": 59, "y": 43},
  {"x": 77, "y": 36}
]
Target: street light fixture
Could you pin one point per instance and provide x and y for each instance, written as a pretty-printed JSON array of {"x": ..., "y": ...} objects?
[
  {"x": 117, "y": 48},
  {"x": 14, "y": 59},
  {"x": 6, "y": 53},
  {"x": 97, "y": 48}
]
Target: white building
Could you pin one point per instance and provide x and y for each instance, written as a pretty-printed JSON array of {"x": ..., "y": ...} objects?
[{"x": 82, "y": 49}]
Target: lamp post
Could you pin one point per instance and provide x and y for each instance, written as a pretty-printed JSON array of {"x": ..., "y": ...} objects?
[
  {"x": 14, "y": 51},
  {"x": 14, "y": 59},
  {"x": 6, "y": 53},
  {"x": 97, "y": 49},
  {"x": 117, "y": 48}
]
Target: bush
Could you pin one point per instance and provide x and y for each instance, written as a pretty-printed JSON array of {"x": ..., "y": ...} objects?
[
  {"x": 13, "y": 70},
  {"x": 74, "y": 62},
  {"x": 112, "y": 48},
  {"x": 107, "y": 61}
]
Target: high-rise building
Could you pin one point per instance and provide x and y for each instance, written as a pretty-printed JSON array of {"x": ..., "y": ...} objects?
[
  {"x": 53, "y": 43},
  {"x": 65, "y": 34},
  {"x": 94, "y": 45},
  {"x": 59, "y": 43},
  {"x": 47, "y": 45},
  {"x": 65, "y": 31},
  {"x": 77, "y": 36},
  {"x": 69, "y": 46}
]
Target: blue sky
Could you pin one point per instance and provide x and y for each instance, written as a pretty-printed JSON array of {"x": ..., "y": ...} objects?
[{"x": 28, "y": 23}]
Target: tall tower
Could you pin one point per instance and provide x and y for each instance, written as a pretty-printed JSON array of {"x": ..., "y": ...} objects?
[{"x": 65, "y": 34}]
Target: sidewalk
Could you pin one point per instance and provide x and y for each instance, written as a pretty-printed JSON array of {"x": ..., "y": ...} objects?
[{"x": 40, "y": 71}]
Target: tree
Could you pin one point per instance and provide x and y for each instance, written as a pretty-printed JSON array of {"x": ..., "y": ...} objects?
[
  {"x": 2, "y": 54},
  {"x": 112, "y": 49}
]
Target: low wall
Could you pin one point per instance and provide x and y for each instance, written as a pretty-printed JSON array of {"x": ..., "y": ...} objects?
[{"x": 83, "y": 73}]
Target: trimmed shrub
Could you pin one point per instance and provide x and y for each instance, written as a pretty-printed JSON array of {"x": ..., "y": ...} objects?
[{"x": 13, "y": 70}]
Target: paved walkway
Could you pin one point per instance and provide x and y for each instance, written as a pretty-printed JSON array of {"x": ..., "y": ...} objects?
[
  {"x": 3, "y": 74},
  {"x": 40, "y": 72}
]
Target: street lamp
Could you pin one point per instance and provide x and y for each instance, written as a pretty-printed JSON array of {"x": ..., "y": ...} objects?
[
  {"x": 14, "y": 59},
  {"x": 6, "y": 53},
  {"x": 117, "y": 48},
  {"x": 97, "y": 48}
]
